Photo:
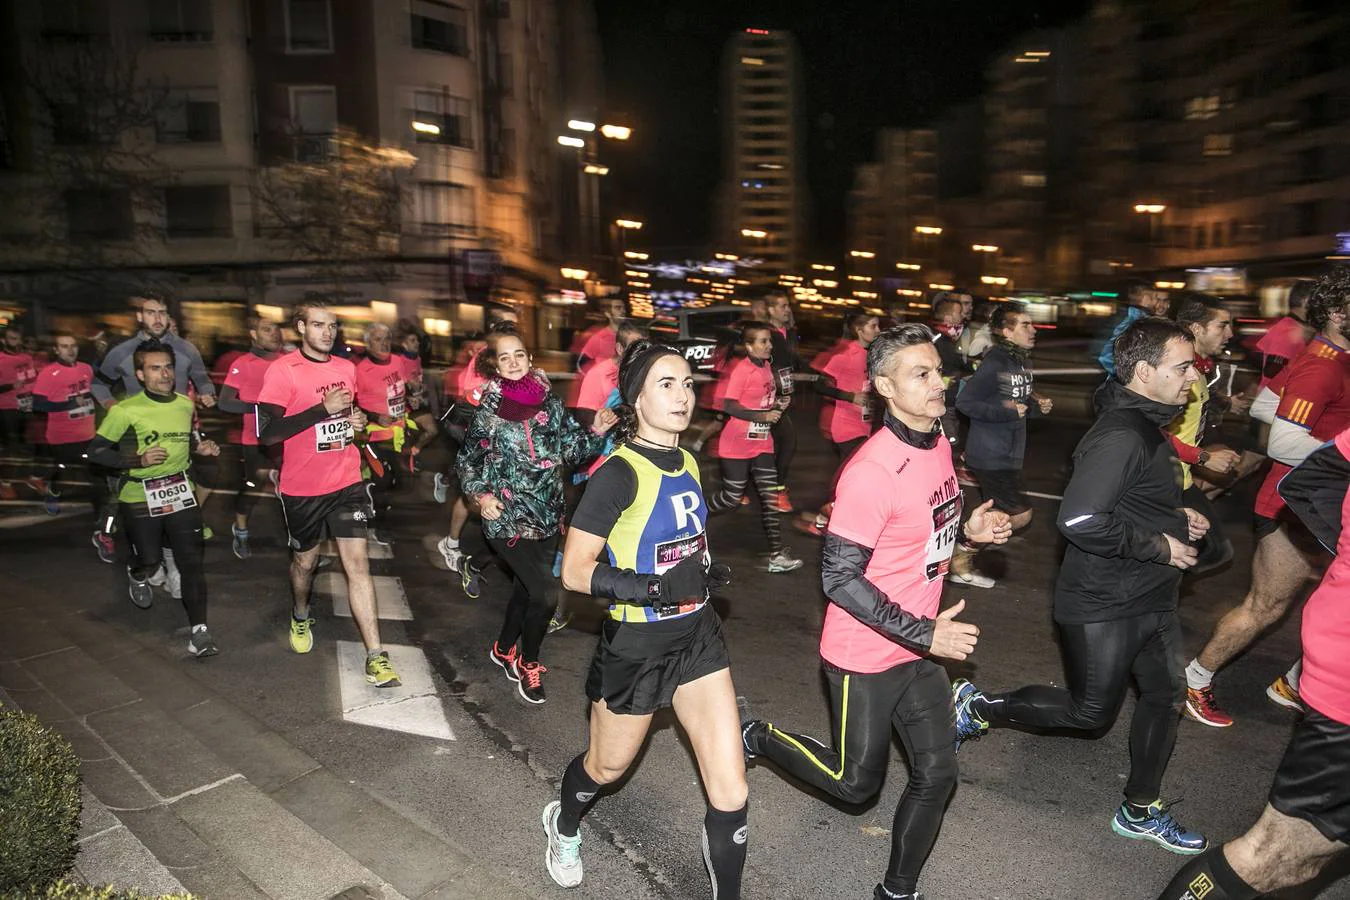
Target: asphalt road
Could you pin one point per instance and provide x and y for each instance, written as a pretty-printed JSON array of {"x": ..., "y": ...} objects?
[{"x": 1029, "y": 820}]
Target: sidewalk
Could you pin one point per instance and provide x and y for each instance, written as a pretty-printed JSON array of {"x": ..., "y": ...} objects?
[{"x": 186, "y": 791}]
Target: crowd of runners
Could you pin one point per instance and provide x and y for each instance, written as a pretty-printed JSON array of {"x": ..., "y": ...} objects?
[{"x": 595, "y": 486}]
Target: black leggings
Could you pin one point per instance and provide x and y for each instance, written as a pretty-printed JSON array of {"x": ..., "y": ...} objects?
[
  {"x": 736, "y": 474},
  {"x": 784, "y": 446},
  {"x": 1099, "y": 659},
  {"x": 68, "y": 460},
  {"x": 182, "y": 532},
  {"x": 914, "y": 699},
  {"x": 1214, "y": 549},
  {"x": 382, "y": 486},
  {"x": 532, "y": 603},
  {"x": 252, "y": 464}
]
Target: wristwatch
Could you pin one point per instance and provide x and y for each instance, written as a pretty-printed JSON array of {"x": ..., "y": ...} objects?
[{"x": 1202, "y": 458}]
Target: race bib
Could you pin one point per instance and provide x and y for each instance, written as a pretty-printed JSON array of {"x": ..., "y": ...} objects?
[
  {"x": 170, "y": 494},
  {"x": 785, "y": 380},
  {"x": 758, "y": 431},
  {"x": 669, "y": 554},
  {"x": 25, "y": 403},
  {"x": 398, "y": 404},
  {"x": 332, "y": 434},
  {"x": 84, "y": 407},
  {"x": 941, "y": 543}
]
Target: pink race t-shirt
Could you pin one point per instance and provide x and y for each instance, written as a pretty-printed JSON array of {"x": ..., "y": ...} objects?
[
  {"x": 17, "y": 369},
  {"x": 59, "y": 383},
  {"x": 1285, "y": 339},
  {"x": 321, "y": 459},
  {"x": 600, "y": 344},
  {"x": 597, "y": 384},
  {"x": 847, "y": 365},
  {"x": 904, "y": 503},
  {"x": 381, "y": 388},
  {"x": 246, "y": 377},
  {"x": 1325, "y": 682},
  {"x": 752, "y": 385}
]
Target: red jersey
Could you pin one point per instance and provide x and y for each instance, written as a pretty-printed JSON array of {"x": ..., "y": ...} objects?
[
  {"x": 17, "y": 369},
  {"x": 751, "y": 384},
  {"x": 1325, "y": 682},
  {"x": 59, "y": 382},
  {"x": 1285, "y": 339},
  {"x": 842, "y": 420},
  {"x": 904, "y": 502},
  {"x": 246, "y": 377},
  {"x": 1316, "y": 396},
  {"x": 382, "y": 388},
  {"x": 321, "y": 459}
]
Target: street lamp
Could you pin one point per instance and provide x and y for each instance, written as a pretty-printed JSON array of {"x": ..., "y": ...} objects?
[
  {"x": 616, "y": 132},
  {"x": 630, "y": 224},
  {"x": 984, "y": 248},
  {"x": 634, "y": 254},
  {"x": 595, "y": 169},
  {"x": 580, "y": 125},
  {"x": 1151, "y": 209},
  {"x": 753, "y": 233},
  {"x": 574, "y": 274},
  {"x": 568, "y": 141},
  {"x": 822, "y": 267},
  {"x": 912, "y": 267},
  {"x": 927, "y": 229},
  {"x": 426, "y": 127},
  {"x": 862, "y": 254}
]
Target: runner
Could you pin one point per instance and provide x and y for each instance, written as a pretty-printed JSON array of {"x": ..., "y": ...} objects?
[
  {"x": 1306, "y": 821},
  {"x": 307, "y": 404},
  {"x": 382, "y": 394},
  {"x": 662, "y": 644},
  {"x": 1314, "y": 407},
  {"x": 149, "y": 435},
  {"x": 1285, "y": 340},
  {"x": 422, "y": 406},
  {"x": 777, "y": 312},
  {"x": 17, "y": 374},
  {"x": 748, "y": 394},
  {"x": 463, "y": 385},
  {"x": 239, "y": 395},
  {"x": 896, "y": 519},
  {"x": 1129, "y": 539},
  {"x": 597, "y": 344},
  {"x": 62, "y": 393},
  {"x": 997, "y": 400},
  {"x": 1143, "y": 299},
  {"x": 512, "y": 463},
  {"x": 846, "y": 417}
]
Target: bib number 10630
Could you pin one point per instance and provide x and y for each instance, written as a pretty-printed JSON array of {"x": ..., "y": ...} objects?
[{"x": 170, "y": 494}]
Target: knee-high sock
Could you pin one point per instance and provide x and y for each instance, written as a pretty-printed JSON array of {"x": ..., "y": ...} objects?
[
  {"x": 1208, "y": 876},
  {"x": 724, "y": 843},
  {"x": 578, "y": 790}
]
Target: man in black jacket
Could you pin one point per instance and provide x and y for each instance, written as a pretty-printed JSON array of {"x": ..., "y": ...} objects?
[{"x": 1129, "y": 539}]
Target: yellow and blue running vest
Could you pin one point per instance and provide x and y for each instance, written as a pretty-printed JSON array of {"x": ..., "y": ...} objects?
[{"x": 663, "y": 525}]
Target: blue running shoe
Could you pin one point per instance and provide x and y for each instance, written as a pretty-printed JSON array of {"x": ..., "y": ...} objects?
[
  {"x": 1159, "y": 827},
  {"x": 969, "y": 726}
]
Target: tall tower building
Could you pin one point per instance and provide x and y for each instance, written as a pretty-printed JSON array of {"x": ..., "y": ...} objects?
[{"x": 763, "y": 202}]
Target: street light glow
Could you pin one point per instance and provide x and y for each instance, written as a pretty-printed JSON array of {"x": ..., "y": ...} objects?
[
  {"x": 575, "y": 274},
  {"x": 984, "y": 248},
  {"x": 822, "y": 267},
  {"x": 941, "y": 287},
  {"x": 927, "y": 229},
  {"x": 580, "y": 125},
  {"x": 754, "y": 233},
  {"x": 426, "y": 127},
  {"x": 593, "y": 169},
  {"x": 634, "y": 254},
  {"x": 632, "y": 224},
  {"x": 1169, "y": 285},
  {"x": 913, "y": 267},
  {"x": 568, "y": 141},
  {"x": 860, "y": 278},
  {"x": 616, "y": 132},
  {"x": 862, "y": 254},
  {"x": 999, "y": 280},
  {"x": 1152, "y": 209}
]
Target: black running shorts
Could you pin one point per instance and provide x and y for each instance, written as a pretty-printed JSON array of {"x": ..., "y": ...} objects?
[
  {"x": 1005, "y": 487},
  {"x": 255, "y": 459},
  {"x": 638, "y": 665},
  {"x": 345, "y": 514},
  {"x": 1311, "y": 782}
]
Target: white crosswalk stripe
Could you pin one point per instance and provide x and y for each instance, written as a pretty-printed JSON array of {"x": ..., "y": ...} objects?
[{"x": 413, "y": 708}]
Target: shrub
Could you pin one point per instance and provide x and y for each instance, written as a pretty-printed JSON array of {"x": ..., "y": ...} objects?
[
  {"x": 69, "y": 890},
  {"x": 39, "y": 804}
]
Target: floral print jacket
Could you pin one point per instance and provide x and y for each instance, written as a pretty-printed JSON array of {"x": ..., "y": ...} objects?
[{"x": 522, "y": 463}]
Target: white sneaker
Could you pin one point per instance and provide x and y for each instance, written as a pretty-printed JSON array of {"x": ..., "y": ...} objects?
[
  {"x": 440, "y": 490},
  {"x": 563, "y": 856},
  {"x": 451, "y": 555},
  {"x": 158, "y": 578},
  {"x": 783, "y": 561},
  {"x": 971, "y": 579}
]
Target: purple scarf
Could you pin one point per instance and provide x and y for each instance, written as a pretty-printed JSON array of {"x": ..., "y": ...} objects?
[{"x": 521, "y": 398}]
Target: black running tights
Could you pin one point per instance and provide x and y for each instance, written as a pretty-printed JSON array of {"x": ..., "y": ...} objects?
[
  {"x": 532, "y": 601},
  {"x": 182, "y": 533},
  {"x": 736, "y": 475}
]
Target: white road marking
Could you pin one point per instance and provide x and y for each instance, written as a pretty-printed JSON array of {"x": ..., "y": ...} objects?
[
  {"x": 390, "y": 598},
  {"x": 413, "y": 708}
]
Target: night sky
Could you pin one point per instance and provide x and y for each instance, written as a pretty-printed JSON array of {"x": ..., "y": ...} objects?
[{"x": 869, "y": 64}]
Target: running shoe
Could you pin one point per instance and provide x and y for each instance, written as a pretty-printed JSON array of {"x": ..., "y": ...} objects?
[
  {"x": 745, "y": 499},
  {"x": 380, "y": 673},
  {"x": 559, "y": 621},
  {"x": 375, "y": 538},
  {"x": 240, "y": 545},
  {"x": 107, "y": 549},
  {"x": 37, "y": 484},
  {"x": 969, "y": 725},
  {"x": 1203, "y": 708},
  {"x": 1160, "y": 827},
  {"x": 965, "y": 477},
  {"x": 207, "y": 533},
  {"x": 506, "y": 660},
  {"x": 531, "y": 682},
  {"x": 750, "y": 726},
  {"x": 440, "y": 489},
  {"x": 200, "y": 643},
  {"x": 142, "y": 595},
  {"x": 52, "y": 504},
  {"x": 811, "y": 523},
  {"x": 971, "y": 579},
  {"x": 784, "y": 561},
  {"x": 783, "y": 503},
  {"x": 173, "y": 580},
  {"x": 471, "y": 579},
  {"x": 302, "y": 634},
  {"x": 452, "y": 555},
  {"x": 563, "y": 856},
  {"x": 882, "y": 894},
  {"x": 1285, "y": 694},
  {"x": 7, "y": 491},
  {"x": 158, "y": 578}
]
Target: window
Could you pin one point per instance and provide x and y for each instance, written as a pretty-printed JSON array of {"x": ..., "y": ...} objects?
[
  {"x": 309, "y": 26},
  {"x": 198, "y": 211},
  {"x": 1033, "y": 179},
  {"x": 1218, "y": 145},
  {"x": 189, "y": 117},
  {"x": 74, "y": 20},
  {"x": 440, "y": 27},
  {"x": 313, "y": 119},
  {"x": 99, "y": 214},
  {"x": 445, "y": 209},
  {"x": 448, "y": 113},
  {"x": 181, "y": 20}
]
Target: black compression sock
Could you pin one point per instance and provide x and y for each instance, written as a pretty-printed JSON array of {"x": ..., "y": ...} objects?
[
  {"x": 1208, "y": 876},
  {"x": 724, "y": 843},
  {"x": 578, "y": 790}
]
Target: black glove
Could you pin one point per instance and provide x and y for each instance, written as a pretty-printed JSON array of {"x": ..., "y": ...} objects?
[
  {"x": 719, "y": 575},
  {"x": 686, "y": 582}
]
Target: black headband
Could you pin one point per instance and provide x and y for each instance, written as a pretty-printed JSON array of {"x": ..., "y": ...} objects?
[{"x": 634, "y": 374}]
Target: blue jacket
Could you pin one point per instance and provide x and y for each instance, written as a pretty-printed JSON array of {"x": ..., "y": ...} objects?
[
  {"x": 1107, "y": 358},
  {"x": 998, "y": 435}
]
